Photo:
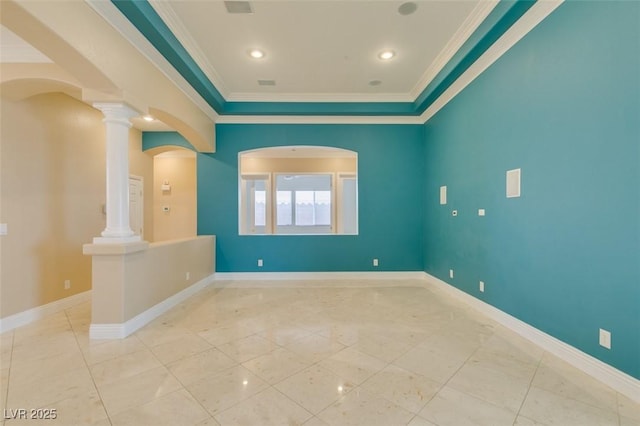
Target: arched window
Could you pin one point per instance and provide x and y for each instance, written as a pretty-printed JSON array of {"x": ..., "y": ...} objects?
[{"x": 298, "y": 190}]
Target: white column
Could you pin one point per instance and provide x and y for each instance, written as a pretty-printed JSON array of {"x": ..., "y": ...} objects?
[{"x": 117, "y": 122}]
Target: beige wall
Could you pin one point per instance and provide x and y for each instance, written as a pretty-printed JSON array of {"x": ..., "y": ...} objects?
[
  {"x": 180, "y": 220},
  {"x": 52, "y": 192},
  {"x": 298, "y": 165},
  {"x": 121, "y": 75},
  {"x": 130, "y": 279}
]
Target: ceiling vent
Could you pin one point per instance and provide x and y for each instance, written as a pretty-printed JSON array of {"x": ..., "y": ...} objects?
[
  {"x": 266, "y": 82},
  {"x": 238, "y": 6}
]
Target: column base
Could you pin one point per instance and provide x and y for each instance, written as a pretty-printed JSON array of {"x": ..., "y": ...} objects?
[{"x": 117, "y": 240}]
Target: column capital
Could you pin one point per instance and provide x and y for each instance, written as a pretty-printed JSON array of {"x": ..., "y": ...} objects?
[{"x": 116, "y": 112}]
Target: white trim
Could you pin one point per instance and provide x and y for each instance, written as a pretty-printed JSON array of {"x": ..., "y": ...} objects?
[
  {"x": 616, "y": 379},
  {"x": 473, "y": 21},
  {"x": 117, "y": 20},
  {"x": 319, "y": 97},
  {"x": 314, "y": 276},
  {"x": 317, "y": 119},
  {"x": 107, "y": 331},
  {"x": 171, "y": 19},
  {"x": 526, "y": 23},
  {"x": 27, "y": 317},
  {"x": 122, "y": 330},
  {"x": 536, "y": 14}
]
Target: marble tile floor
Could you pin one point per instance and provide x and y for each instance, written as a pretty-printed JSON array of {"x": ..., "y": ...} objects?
[{"x": 388, "y": 354}]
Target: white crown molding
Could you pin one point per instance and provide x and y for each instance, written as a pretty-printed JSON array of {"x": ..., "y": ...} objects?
[
  {"x": 473, "y": 21},
  {"x": 120, "y": 23},
  {"x": 319, "y": 97},
  {"x": 317, "y": 119},
  {"x": 171, "y": 19},
  {"x": 27, "y": 317},
  {"x": 616, "y": 379},
  {"x": 536, "y": 14},
  {"x": 122, "y": 330}
]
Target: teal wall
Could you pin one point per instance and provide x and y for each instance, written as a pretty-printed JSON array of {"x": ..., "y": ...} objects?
[
  {"x": 390, "y": 183},
  {"x": 563, "y": 105}
]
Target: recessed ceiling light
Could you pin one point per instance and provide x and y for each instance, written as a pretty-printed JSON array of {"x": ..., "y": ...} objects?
[
  {"x": 256, "y": 53},
  {"x": 148, "y": 118},
  {"x": 385, "y": 55},
  {"x": 407, "y": 8}
]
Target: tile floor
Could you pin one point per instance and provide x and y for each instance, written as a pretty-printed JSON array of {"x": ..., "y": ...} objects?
[{"x": 389, "y": 353}]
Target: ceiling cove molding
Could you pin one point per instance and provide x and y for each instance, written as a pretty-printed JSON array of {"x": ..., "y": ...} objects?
[
  {"x": 169, "y": 16},
  {"x": 469, "y": 26},
  {"x": 536, "y": 14},
  {"x": 321, "y": 108},
  {"x": 144, "y": 17},
  {"x": 320, "y": 97},
  {"x": 118, "y": 21},
  {"x": 317, "y": 119},
  {"x": 500, "y": 19}
]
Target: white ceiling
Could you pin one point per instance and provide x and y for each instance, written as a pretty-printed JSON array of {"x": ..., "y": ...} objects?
[
  {"x": 316, "y": 50},
  {"x": 322, "y": 50}
]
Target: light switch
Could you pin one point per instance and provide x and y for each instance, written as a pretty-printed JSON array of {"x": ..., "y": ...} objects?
[
  {"x": 443, "y": 195},
  {"x": 3, "y": 229}
]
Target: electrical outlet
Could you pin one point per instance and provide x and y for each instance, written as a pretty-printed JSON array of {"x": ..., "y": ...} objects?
[
  {"x": 605, "y": 338},
  {"x": 260, "y": 263},
  {"x": 481, "y": 212},
  {"x": 375, "y": 262},
  {"x": 450, "y": 273},
  {"x": 454, "y": 213},
  {"x": 67, "y": 284},
  {"x": 481, "y": 286},
  {"x": 187, "y": 276}
]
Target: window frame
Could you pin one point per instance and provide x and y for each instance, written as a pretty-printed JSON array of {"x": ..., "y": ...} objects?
[
  {"x": 332, "y": 226},
  {"x": 245, "y": 210},
  {"x": 265, "y": 163}
]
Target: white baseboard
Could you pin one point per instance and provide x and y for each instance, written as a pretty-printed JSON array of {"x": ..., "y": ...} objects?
[
  {"x": 120, "y": 331},
  {"x": 252, "y": 278},
  {"x": 27, "y": 317},
  {"x": 612, "y": 377},
  {"x": 616, "y": 379}
]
